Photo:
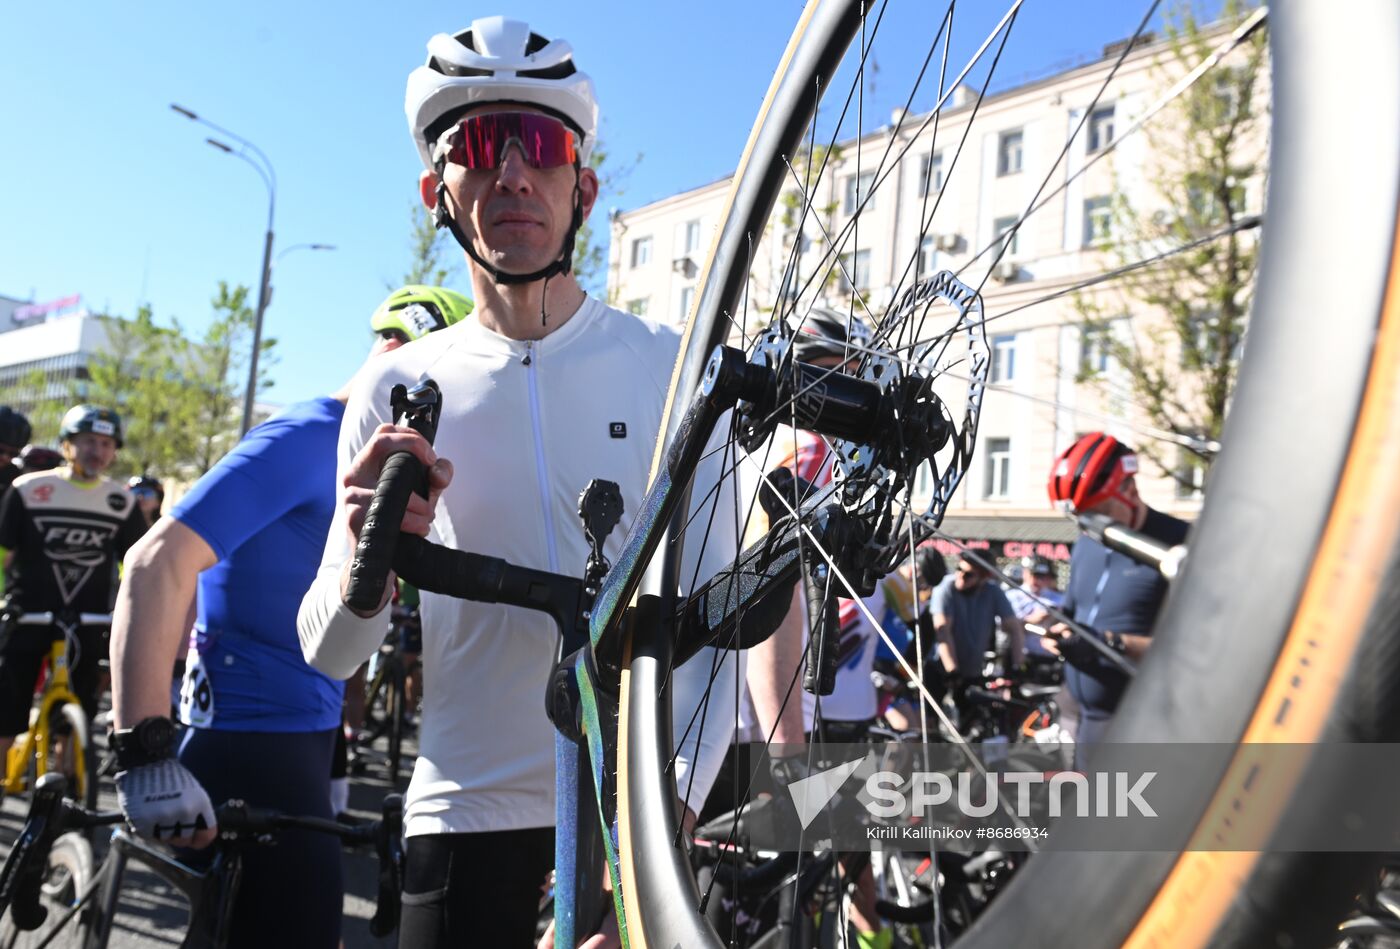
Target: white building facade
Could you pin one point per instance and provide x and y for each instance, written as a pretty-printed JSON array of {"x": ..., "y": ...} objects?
[{"x": 1038, "y": 401}]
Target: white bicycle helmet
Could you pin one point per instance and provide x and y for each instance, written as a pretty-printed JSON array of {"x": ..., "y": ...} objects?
[{"x": 497, "y": 60}]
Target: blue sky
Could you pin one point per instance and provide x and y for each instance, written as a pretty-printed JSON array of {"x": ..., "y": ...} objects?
[{"x": 108, "y": 193}]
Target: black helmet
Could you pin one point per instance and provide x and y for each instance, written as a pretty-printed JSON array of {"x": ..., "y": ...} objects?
[
  {"x": 14, "y": 428},
  {"x": 931, "y": 566},
  {"x": 91, "y": 418},
  {"x": 39, "y": 458},
  {"x": 825, "y": 332},
  {"x": 138, "y": 484}
]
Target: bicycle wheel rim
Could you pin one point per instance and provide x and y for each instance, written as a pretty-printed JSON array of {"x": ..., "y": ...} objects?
[{"x": 1265, "y": 439}]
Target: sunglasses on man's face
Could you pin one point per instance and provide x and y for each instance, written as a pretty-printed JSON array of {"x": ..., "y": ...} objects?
[{"x": 479, "y": 142}]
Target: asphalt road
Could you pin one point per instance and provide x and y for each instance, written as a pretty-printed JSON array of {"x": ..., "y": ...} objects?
[{"x": 152, "y": 913}]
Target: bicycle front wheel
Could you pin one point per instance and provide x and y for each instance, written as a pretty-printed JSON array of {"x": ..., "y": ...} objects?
[{"x": 1302, "y": 491}]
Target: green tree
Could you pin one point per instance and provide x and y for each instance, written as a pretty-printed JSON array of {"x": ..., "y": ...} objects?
[
  {"x": 434, "y": 258},
  {"x": 217, "y": 377},
  {"x": 1180, "y": 363},
  {"x": 39, "y": 399},
  {"x": 138, "y": 373},
  {"x": 590, "y": 250}
]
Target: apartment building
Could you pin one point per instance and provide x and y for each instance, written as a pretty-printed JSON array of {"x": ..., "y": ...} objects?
[{"x": 945, "y": 207}]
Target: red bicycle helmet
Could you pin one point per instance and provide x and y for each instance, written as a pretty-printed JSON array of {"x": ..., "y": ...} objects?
[{"x": 1091, "y": 471}]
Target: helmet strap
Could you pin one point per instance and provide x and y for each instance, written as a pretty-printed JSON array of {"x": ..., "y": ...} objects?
[{"x": 562, "y": 264}]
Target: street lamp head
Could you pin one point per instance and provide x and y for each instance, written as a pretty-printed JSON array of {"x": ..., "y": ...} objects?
[
  {"x": 184, "y": 111},
  {"x": 219, "y": 145},
  {"x": 323, "y": 247}
]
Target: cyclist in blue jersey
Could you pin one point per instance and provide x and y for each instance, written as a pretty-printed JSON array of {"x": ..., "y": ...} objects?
[{"x": 262, "y": 722}]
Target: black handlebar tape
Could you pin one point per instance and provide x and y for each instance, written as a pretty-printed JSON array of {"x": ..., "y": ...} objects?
[
  {"x": 403, "y": 474},
  {"x": 824, "y": 622}
]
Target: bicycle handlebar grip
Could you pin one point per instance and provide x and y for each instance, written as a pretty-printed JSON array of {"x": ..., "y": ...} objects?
[
  {"x": 824, "y": 622},
  {"x": 374, "y": 552}
]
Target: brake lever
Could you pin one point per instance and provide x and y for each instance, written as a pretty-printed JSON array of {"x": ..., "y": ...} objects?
[{"x": 388, "y": 846}]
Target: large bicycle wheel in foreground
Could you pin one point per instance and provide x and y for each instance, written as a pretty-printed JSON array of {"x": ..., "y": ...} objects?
[{"x": 1283, "y": 626}]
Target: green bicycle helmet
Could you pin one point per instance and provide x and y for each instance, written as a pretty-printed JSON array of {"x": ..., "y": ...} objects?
[
  {"x": 417, "y": 310},
  {"x": 91, "y": 418}
]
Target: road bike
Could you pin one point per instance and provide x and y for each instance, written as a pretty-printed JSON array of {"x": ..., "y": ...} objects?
[
  {"x": 49, "y": 889},
  {"x": 1302, "y": 490},
  {"x": 386, "y": 698},
  {"x": 59, "y": 737}
]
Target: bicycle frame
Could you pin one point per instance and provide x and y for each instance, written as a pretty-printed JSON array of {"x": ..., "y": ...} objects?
[
  {"x": 35, "y": 743},
  {"x": 210, "y": 892}
]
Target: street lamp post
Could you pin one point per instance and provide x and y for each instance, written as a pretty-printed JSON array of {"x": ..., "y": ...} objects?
[{"x": 264, "y": 169}]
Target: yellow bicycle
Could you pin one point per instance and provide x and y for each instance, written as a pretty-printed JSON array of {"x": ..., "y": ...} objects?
[{"x": 58, "y": 737}]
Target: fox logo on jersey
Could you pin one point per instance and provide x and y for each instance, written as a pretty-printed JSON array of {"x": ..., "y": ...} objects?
[{"x": 76, "y": 546}]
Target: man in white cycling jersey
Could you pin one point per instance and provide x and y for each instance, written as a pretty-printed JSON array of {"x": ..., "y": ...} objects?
[{"x": 543, "y": 390}]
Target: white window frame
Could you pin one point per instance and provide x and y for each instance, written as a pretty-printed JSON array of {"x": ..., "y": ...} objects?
[
  {"x": 641, "y": 251},
  {"x": 854, "y": 264},
  {"x": 997, "y": 485},
  {"x": 1003, "y": 368},
  {"x": 928, "y": 256},
  {"x": 638, "y": 307},
  {"x": 1000, "y": 227},
  {"x": 930, "y": 185},
  {"x": 1011, "y": 152},
  {"x": 1098, "y": 221},
  {"x": 1100, "y": 128},
  {"x": 692, "y": 236},
  {"x": 687, "y": 298},
  {"x": 857, "y": 189}
]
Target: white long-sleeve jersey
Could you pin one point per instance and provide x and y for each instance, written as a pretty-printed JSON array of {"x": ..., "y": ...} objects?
[{"x": 526, "y": 425}]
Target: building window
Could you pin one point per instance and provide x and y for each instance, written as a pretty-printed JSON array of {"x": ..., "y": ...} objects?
[
  {"x": 1100, "y": 128},
  {"x": 1190, "y": 475},
  {"x": 1098, "y": 221},
  {"x": 638, "y": 307},
  {"x": 1004, "y": 230},
  {"x": 1203, "y": 194},
  {"x": 930, "y": 174},
  {"x": 1009, "y": 153},
  {"x": 998, "y": 484},
  {"x": 928, "y": 256},
  {"x": 923, "y": 481},
  {"x": 641, "y": 252},
  {"x": 1003, "y": 358},
  {"x": 855, "y": 268},
  {"x": 692, "y": 237},
  {"x": 1096, "y": 348},
  {"x": 687, "y": 298},
  {"x": 857, "y": 192}
]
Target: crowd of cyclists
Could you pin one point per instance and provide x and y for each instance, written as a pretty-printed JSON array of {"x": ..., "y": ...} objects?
[{"x": 233, "y": 597}]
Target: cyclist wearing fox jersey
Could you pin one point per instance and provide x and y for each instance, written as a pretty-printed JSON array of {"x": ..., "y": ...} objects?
[
  {"x": 262, "y": 722},
  {"x": 68, "y": 530},
  {"x": 544, "y": 390}
]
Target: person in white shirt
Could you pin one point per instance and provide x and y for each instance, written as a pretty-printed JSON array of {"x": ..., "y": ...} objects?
[{"x": 543, "y": 390}]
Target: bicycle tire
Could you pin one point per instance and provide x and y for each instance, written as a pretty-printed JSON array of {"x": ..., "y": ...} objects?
[
  {"x": 81, "y": 787},
  {"x": 69, "y": 871},
  {"x": 1328, "y": 536}
]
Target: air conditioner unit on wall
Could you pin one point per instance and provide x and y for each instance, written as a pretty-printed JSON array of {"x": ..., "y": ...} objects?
[
  {"x": 948, "y": 243},
  {"x": 1006, "y": 271},
  {"x": 680, "y": 264}
]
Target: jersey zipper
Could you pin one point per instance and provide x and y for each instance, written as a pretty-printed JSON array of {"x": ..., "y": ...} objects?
[{"x": 541, "y": 469}]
